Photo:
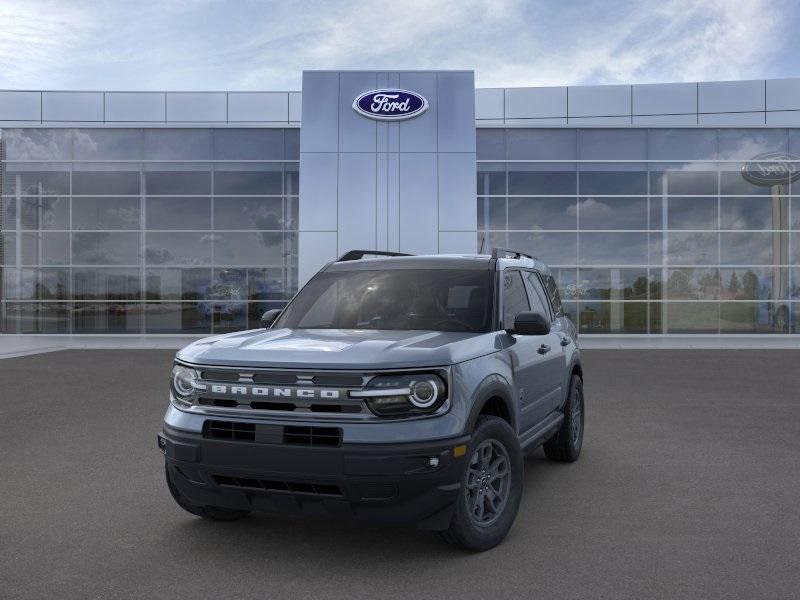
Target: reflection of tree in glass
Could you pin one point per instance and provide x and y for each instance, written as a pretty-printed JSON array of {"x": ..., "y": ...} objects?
[{"x": 749, "y": 286}]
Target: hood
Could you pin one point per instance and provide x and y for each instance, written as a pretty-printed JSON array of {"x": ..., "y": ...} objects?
[{"x": 338, "y": 348}]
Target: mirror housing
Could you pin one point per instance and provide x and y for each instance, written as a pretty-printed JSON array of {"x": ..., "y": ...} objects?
[
  {"x": 269, "y": 317},
  {"x": 531, "y": 323}
]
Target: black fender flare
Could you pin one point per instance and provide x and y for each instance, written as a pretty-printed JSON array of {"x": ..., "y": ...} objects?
[{"x": 493, "y": 386}]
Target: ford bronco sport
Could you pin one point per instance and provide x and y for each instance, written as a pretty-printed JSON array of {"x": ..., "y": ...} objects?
[{"x": 391, "y": 388}]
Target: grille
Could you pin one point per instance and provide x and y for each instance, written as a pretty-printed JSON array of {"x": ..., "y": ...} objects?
[
  {"x": 289, "y": 487},
  {"x": 339, "y": 408},
  {"x": 312, "y": 436},
  {"x": 229, "y": 430}
]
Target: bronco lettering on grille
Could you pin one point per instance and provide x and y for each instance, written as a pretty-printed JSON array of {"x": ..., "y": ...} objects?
[{"x": 275, "y": 392}]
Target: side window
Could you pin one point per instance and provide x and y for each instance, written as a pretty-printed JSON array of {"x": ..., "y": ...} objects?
[
  {"x": 538, "y": 298},
  {"x": 555, "y": 297},
  {"x": 515, "y": 298}
]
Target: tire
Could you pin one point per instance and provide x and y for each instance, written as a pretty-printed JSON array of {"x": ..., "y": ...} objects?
[
  {"x": 565, "y": 445},
  {"x": 498, "y": 508},
  {"x": 213, "y": 513}
]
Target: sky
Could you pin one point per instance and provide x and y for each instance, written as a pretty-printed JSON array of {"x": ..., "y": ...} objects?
[{"x": 265, "y": 45}]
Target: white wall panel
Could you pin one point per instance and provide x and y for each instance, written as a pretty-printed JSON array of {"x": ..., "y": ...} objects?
[
  {"x": 536, "y": 103},
  {"x": 456, "y": 123},
  {"x": 458, "y": 242},
  {"x": 320, "y": 130},
  {"x": 356, "y": 134},
  {"x": 136, "y": 107},
  {"x": 457, "y": 192},
  {"x": 419, "y": 210},
  {"x": 72, "y": 106},
  {"x": 197, "y": 107},
  {"x": 665, "y": 98},
  {"x": 419, "y": 134},
  {"x": 665, "y": 120},
  {"x": 20, "y": 106},
  {"x": 356, "y": 205},
  {"x": 732, "y": 119},
  {"x": 318, "y": 189},
  {"x": 295, "y": 106},
  {"x": 315, "y": 249},
  {"x": 258, "y": 106},
  {"x": 783, "y": 118},
  {"x": 783, "y": 94},
  {"x": 599, "y": 101},
  {"x": 730, "y": 96}
]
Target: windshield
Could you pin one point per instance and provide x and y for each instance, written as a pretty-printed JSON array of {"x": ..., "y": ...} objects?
[{"x": 439, "y": 300}]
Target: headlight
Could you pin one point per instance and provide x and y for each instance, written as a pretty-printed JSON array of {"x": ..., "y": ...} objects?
[
  {"x": 183, "y": 383},
  {"x": 404, "y": 394}
]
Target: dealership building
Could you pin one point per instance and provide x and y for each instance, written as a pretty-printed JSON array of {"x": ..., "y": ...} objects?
[{"x": 661, "y": 208}]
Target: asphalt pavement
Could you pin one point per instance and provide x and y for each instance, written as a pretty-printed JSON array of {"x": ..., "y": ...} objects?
[{"x": 688, "y": 487}]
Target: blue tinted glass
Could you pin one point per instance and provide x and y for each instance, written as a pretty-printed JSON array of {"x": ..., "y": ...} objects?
[
  {"x": 178, "y": 213},
  {"x": 541, "y": 144},
  {"x": 178, "y": 183},
  {"x": 177, "y": 284},
  {"x": 682, "y": 144},
  {"x": 542, "y": 213},
  {"x": 102, "y": 248},
  {"x": 612, "y": 213},
  {"x": 178, "y": 248},
  {"x": 89, "y": 212},
  {"x": 178, "y": 144},
  {"x": 613, "y": 249},
  {"x": 248, "y": 144}
]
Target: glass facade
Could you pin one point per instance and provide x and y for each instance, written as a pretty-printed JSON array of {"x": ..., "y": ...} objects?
[
  {"x": 146, "y": 230},
  {"x": 650, "y": 230}
]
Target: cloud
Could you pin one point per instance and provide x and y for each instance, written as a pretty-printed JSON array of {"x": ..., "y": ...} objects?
[{"x": 215, "y": 44}]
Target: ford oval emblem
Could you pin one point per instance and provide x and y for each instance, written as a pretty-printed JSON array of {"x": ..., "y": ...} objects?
[
  {"x": 390, "y": 105},
  {"x": 772, "y": 168}
]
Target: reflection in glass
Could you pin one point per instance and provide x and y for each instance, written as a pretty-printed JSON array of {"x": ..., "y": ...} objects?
[
  {"x": 691, "y": 213},
  {"x": 98, "y": 183},
  {"x": 178, "y": 183},
  {"x": 612, "y": 284},
  {"x": 178, "y": 144},
  {"x": 46, "y": 248},
  {"x": 676, "y": 182},
  {"x": 44, "y": 212},
  {"x": 250, "y": 248},
  {"x": 106, "y": 284},
  {"x": 612, "y": 213},
  {"x": 177, "y": 284},
  {"x": 491, "y": 180},
  {"x": 248, "y": 213},
  {"x": 612, "y": 144},
  {"x": 173, "y": 212},
  {"x": 629, "y": 183},
  {"x": 240, "y": 182},
  {"x": 229, "y": 316},
  {"x": 754, "y": 317},
  {"x": 105, "y": 213},
  {"x": 755, "y": 283},
  {"x": 103, "y": 248},
  {"x": 35, "y": 317},
  {"x": 613, "y": 317},
  {"x": 178, "y": 248},
  {"x": 248, "y": 144},
  {"x": 541, "y": 213},
  {"x": 613, "y": 249},
  {"x": 541, "y": 144},
  {"x": 693, "y": 284},
  {"x": 552, "y": 248},
  {"x": 101, "y": 317},
  {"x": 44, "y": 284},
  {"x": 755, "y": 248},
  {"x": 184, "y": 317},
  {"x": 754, "y": 212},
  {"x": 690, "y": 317},
  {"x": 522, "y": 182},
  {"x": 692, "y": 248},
  {"x": 107, "y": 144}
]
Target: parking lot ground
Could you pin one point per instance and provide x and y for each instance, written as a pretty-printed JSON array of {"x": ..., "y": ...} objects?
[{"x": 688, "y": 487}]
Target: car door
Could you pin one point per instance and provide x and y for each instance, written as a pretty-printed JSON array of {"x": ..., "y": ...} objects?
[
  {"x": 554, "y": 356},
  {"x": 529, "y": 365}
]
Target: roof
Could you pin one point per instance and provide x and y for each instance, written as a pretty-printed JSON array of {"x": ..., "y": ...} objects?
[{"x": 434, "y": 261}]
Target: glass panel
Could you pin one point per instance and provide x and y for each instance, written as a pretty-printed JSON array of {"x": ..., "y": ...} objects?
[
  {"x": 230, "y": 316},
  {"x": 41, "y": 183},
  {"x": 105, "y": 213},
  {"x": 754, "y": 213},
  {"x": 178, "y": 213},
  {"x": 571, "y": 311},
  {"x": 491, "y": 144},
  {"x": 613, "y": 284},
  {"x": 613, "y": 249},
  {"x": 8, "y": 213},
  {"x": 656, "y": 309},
  {"x": 178, "y": 248},
  {"x": 552, "y": 248},
  {"x": 256, "y": 309},
  {"x": 612, "y": 213},
  {"x": 248, "y": 144},
  {"x": 44, "y": 212},
  {"x": 8, "y": 248},
  {"x": 106, "y": 284},
  {"x": 248, "y": 213},
  {"x": 177, "y": 284},
  {"x": 682, "y": 144},
  {"x": 100, "y": 317},
  {"x": 541, "y": 144},
  {"x": 627, "y": 183},
  {"x": 542, "y": 213},
  {"x": 691, "y": 213},
  {"x": 291, "y": 140},
  {"x": 795, "y": 220},
  {"x": 229, "y": 284},
  {"x": 613, "y": 317},
  {"x": 45, "y": 284},
  {"x": 692, "y": 248},
  {"x": 690, "y": 317},
  {"x": 758, "y": 248},
  {"x": 492, "y": 213},
  {"x": 515, "y": 298},
  {"x": 184, "y": 317},
  {"x": 735, "y": 143},
  {"x": 249, "y": 182},
  {"x": 50, "y": 248},
  {"x": 755, "y": 283},
  {"x": 291, "y": 178},
  {"x": 491, "y": 179},
  {"x": 108, "y": 144},
  {"x": 265, "y": 284},
  {"x": 612, "y": 144},
  {"x": 538, "y": 180},
  {"x": 98, "y": 183},
  {"x": 32, "y": 317},
  {"x": 291, "y": 213},
  {"x": 103, "y": 248},
  {"x": 693, "y": 284},
  {"x": 754, "y": 317},
  {"x": 794, "y": 289},
  {"x": 178, "y": 183},
  {"x": 683, "y": 180},
  {"x": 38, "y": 144},
  {"x": 567, "y": 282},
  {"x": 178, "y": 144},
  {"x": 656, "y": 283},
  {"x": 732, "y": 181},
  {"x": 249, "y": 249}
]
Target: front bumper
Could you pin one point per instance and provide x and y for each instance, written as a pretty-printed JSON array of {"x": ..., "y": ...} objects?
[{"x": 392, "y": 483}]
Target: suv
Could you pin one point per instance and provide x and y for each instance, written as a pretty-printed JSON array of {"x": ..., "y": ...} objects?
[{"x": 395, "y": 388}]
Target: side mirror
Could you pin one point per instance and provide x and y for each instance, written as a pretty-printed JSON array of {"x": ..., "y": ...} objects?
[
  {"x": 531, "y": 323},
  {"x": 269, "y": 317}
]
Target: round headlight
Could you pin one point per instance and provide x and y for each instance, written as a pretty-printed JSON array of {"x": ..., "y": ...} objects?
[
  {"x": 424, "y": 393},
  {"x": 183, "y": 380}
]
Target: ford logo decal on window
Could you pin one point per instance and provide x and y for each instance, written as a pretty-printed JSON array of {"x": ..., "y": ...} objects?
[
  {"x": 772, "y": 168},
  {"x": 390, "y": 105}
]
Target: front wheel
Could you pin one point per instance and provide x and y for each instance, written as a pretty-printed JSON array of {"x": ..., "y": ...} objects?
[
  {"x": 491, "y": 488},
  {"x": 565, "y": 445}
]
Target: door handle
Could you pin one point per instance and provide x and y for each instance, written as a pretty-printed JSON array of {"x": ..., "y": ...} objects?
[
  {"x": 543, "y": 349},
  {"x": 565, "y": 341}
]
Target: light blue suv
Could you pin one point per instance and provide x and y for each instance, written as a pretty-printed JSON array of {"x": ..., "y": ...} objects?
[{"x": 392, "y": 388}]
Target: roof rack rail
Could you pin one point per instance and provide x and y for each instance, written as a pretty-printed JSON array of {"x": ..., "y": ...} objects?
[
  {"x": 359, "y": 254},
  {"x": 509, "y": 253}
]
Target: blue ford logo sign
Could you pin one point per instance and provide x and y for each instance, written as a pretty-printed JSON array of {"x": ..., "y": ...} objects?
[
  {"x": 772, "y": 168},
  {"x": 390, "y": 105}
]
